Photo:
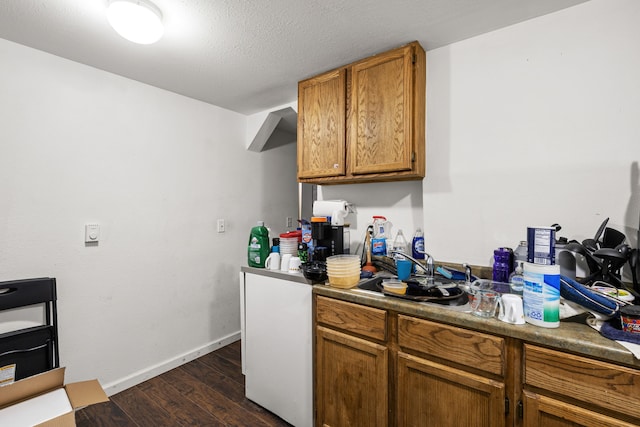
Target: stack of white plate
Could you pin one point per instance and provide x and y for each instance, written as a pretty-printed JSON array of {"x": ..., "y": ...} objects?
[
  {"x": 343, "y": 270},
  {"x": 289, "y": 245}
]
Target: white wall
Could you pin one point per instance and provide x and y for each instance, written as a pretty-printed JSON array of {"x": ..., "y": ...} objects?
[
  {"x": 534, "y": 124},
  {"x": 529, "y": 125},
  {"x": 400, "y": 202},
  {"x": 155, "y": 170}
]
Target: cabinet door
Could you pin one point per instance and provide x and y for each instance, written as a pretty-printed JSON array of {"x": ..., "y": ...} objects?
[
  {"x": 594, "y": 383},
  {"x": 381, "y": 117},
  {"x": 542, "y": 411},
  {"x": 321, "y": 125},
  {"x": 351, "y": 380},
  {"x": 431, "y": 394}
]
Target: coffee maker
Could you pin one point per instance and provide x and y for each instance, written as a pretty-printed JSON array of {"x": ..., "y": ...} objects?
[
  {"x": 329, "y": 233},
  {"x": 328, "y": 240}
]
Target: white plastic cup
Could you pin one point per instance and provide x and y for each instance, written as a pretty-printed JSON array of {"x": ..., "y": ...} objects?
[
  {"x": 510, "y": 309},
  {"x": 284, "y": 262},
  {"x": 273, "y": 261},
  {"x": 294, "y": 264}
]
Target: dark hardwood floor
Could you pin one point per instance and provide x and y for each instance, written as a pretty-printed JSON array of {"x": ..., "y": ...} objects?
[{"x": 208, "y": 391}]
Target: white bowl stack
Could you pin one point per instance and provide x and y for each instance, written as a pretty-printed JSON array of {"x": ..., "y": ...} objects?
[
  {"x": 343, "y": 270},
  {"x": 289, "y": 245}
]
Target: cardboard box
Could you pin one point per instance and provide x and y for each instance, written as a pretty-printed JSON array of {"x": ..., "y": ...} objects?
[{"x": 44, "y": 400}]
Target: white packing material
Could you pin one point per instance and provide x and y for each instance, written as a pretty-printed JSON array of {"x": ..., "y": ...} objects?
[{"x": 37, "y": 410}]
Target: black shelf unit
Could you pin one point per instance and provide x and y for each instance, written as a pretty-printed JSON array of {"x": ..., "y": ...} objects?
[{"x": 33, "y": 349}]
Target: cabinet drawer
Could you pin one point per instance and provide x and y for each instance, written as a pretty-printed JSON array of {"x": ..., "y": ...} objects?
[
  {"x": 592, "y": 381},
  {"x": 358, "y": 319},
  {"x": 470, "y": 348}
]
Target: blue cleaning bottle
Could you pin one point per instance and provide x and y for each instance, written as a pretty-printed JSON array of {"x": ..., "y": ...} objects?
[{"x": 417, "y": 246}]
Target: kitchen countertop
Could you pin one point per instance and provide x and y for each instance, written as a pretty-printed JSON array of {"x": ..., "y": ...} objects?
[
  {"x": 572, "y": 337},
  {"x": 294, "y": 277}
]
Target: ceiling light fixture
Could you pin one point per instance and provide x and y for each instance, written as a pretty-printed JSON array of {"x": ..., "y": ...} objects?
[{"x": 139, "y": 21}]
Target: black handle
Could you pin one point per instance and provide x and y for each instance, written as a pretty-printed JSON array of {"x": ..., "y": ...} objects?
[
  {"x": 520, "y": 409},
  {"x": 25, "y": 350}
]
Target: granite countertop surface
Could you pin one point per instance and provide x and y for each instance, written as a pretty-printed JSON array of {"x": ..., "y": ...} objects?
[
  {"x": 573, "y": 337},
  {"x": 277, "y": 274}
]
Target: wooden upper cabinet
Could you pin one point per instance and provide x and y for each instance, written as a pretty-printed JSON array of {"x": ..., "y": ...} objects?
[
  {"x": 321, "y": 125},
  {"x": 380, "y": 119},
  {"x": 364, "y": 122}
]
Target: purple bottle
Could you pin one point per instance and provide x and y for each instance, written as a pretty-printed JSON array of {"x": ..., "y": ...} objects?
[{"x": 502, "y": 265}]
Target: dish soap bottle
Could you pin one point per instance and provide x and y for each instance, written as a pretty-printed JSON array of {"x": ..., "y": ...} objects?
[
  {"x": 516, "y": 279},
  {"x": 258, "y": 249},
  {"x": 417, "y": 247}
]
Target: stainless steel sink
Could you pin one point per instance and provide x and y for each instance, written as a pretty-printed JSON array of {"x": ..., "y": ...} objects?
[{"x": 373, "y": 285}]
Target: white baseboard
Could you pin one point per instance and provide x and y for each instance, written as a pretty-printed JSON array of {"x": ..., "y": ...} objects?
[{"x": 155, "y": 370}]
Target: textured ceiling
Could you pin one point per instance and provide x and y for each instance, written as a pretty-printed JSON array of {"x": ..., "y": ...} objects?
[{"x": 248, "y": 56}]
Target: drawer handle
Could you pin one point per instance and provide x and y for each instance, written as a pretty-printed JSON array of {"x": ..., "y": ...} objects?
[{"x": 25, "y": 350}]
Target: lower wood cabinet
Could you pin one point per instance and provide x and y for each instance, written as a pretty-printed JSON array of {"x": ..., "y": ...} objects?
[
  {"x": 430, "y": 394},
  {"x": 449, "y": 376},
  {"x": 351, "y": 380},
  {"x": 543, "y": 411},
  {"x": 381, "y": 368},
  {"x": 351, "y": 364},
  {"x": 568, "y": 390}
]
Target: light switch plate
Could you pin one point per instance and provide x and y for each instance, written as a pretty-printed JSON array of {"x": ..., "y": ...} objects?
[{"x": 91, "y": 233}]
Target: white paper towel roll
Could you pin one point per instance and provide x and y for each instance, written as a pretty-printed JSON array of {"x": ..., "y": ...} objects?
[{"x": 336, "y": 209}]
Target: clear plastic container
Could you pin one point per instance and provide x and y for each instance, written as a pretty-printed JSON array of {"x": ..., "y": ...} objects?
[
  {"x": 394, "y": 286},
  {"x": 400, "y": 244},
  {"x": 520, "y": 254}
]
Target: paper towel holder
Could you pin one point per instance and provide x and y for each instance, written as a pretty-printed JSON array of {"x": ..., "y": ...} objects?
[{"x": 336, "y": 209}]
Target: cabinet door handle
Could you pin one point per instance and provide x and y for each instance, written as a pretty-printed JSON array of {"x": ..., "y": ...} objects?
[
  {"x": 520, "y": 409},
  {"x": 506, "y": 406}
]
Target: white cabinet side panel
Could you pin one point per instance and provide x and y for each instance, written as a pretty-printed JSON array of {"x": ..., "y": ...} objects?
[{"x": 278, "y": 334}]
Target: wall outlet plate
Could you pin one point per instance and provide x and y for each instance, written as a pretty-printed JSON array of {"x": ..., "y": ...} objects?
[{"x": 91, "y": 233}]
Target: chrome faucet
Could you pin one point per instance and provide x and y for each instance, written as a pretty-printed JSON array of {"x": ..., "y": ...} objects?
[
  {"x": 467, "y": 273},
  {"x": 429, "y": 270},
  {"x": 467, "y": 279}
]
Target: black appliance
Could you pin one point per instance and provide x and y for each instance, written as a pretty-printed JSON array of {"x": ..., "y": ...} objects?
[{"x": 330, "y": 237}]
